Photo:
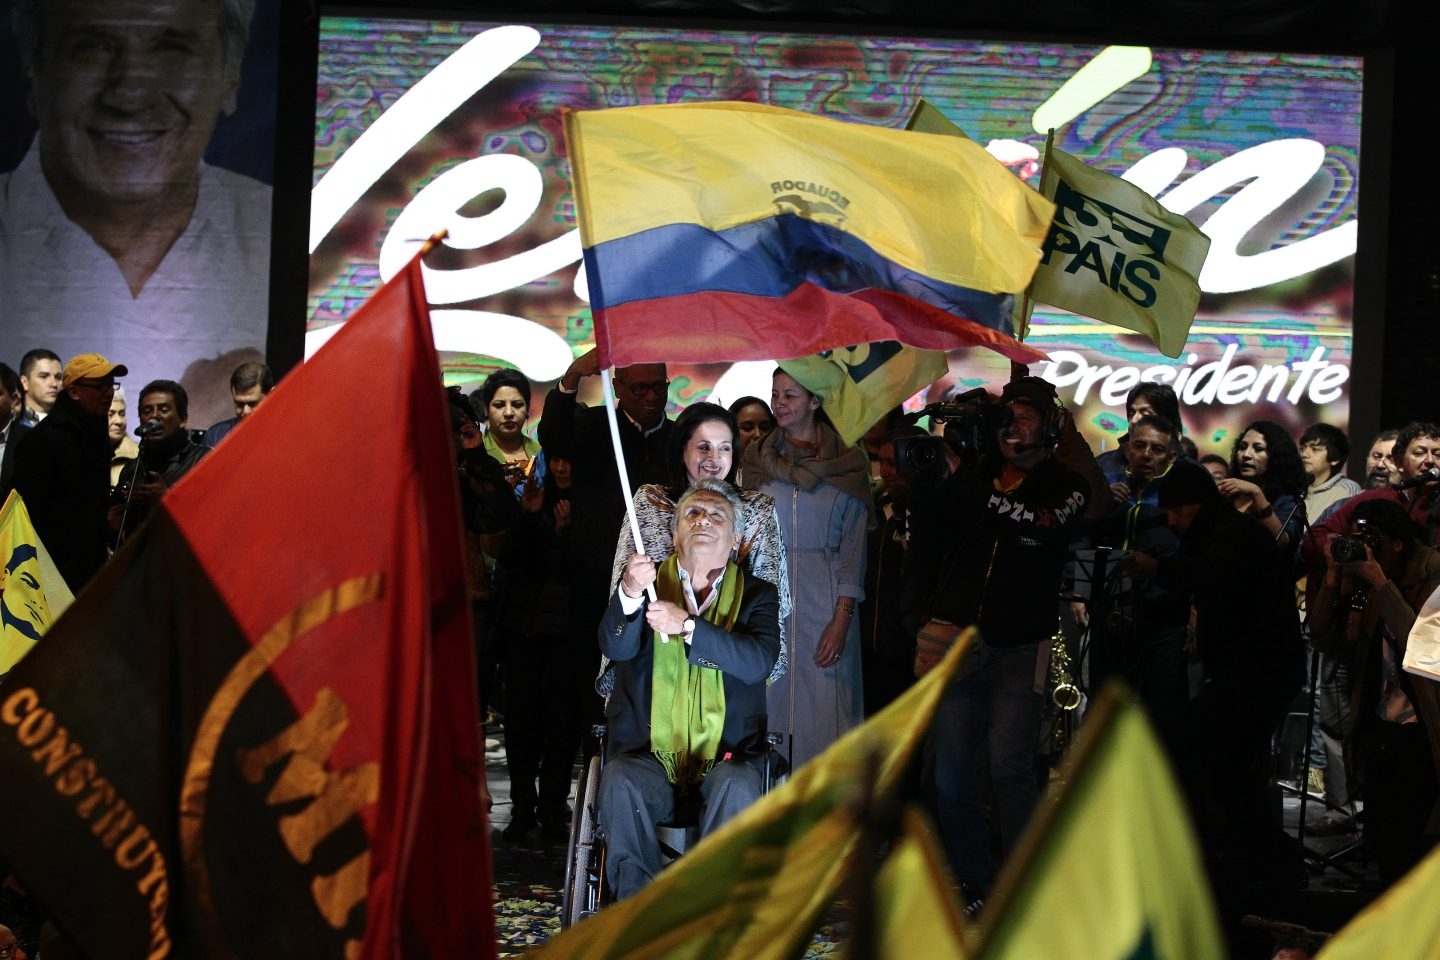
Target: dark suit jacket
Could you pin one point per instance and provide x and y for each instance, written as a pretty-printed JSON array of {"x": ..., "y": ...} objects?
[
  {"x": 18, "y": 429},
  {"x": 1243, "y": 588},
  {"x": 745, "y": 655},
  {"x": 581, "y": 435},
  {"x": 63, "y": 472}
]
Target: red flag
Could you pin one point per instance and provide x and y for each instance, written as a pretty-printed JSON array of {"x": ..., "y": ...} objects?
[{"x": 270, "y": 732}]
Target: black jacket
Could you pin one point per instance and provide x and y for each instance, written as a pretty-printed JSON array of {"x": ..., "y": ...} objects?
[
  {"x": 745, "y": 654},
  {"x": 1243, "y": 589},
  {"x": 581, "y": 434},
  {"x": 979, "y": 556},
  {"x": 18, "y": 429},
  {"x": 171, "y": 459},
  {"x": 63, "y": 472}
]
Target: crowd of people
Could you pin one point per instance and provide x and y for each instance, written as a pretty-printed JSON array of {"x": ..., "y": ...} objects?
[
  {"x": 878, "y": 559},
  {"x": 88, "y": 479},
  {"x": 66, "y": 447},
  {"x": 778, "y": 580}
]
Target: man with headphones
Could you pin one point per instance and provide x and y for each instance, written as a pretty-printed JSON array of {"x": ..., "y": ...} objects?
[{"x": 988, "y": 546}]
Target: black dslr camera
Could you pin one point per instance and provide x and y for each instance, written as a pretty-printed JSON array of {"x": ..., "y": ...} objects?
[
  {"x": 1350, "y": 549},
  {"x": 971, "y": 421}
]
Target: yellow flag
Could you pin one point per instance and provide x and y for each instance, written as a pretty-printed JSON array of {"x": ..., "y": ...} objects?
[
  {"x": 1110, "y": 868},
  {"x": 1115, "y": 254},
  {"x": 935, "y": 205},
  {"x": 928, "y": 119},
  {"x": 1402, "y": 924},
  {"x": 759, "y": 886},
  {"x": 32, "y": 592},
  {"x": 916, "y": 914},
  {"x": 859, "y": 385}
]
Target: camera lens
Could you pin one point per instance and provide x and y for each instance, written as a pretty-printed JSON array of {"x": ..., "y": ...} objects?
[{"x": 923, "y": 458}]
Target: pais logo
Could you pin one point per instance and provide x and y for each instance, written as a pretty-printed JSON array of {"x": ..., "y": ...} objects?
[{"x": 1096, "y": 236}]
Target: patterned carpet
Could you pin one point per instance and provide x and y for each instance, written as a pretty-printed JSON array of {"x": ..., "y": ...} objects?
[{"x": 529, "y": 877}]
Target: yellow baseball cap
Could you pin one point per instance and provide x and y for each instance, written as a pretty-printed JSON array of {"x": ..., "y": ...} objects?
[{"x": 90, "y": 366}]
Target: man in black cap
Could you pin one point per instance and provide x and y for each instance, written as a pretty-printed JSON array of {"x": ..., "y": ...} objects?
[
  {"x": 1253, "y": 659},
  {"x": 63, "y": 469},
  {"x": 987, "y": 546}
]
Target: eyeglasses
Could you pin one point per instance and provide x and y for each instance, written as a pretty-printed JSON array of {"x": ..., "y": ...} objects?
[
  {"x": 641, "y": 389},
  {"x": 7, "y": 951},
  {"x": 100, "y": 386}
]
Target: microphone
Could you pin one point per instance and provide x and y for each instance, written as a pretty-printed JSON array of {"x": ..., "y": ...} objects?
[
  {"x": 149, "y": 428},
  {"x": 1419, "y": 480}
]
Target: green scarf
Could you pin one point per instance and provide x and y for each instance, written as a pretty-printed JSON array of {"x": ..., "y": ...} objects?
[{"x": 687, "y": 703}]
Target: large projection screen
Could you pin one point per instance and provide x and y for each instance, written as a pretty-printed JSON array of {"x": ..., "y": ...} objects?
[{"x": 423, "y": 124}]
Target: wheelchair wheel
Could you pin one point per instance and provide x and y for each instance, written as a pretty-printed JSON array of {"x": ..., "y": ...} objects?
[{"x": 585, "y": 864}]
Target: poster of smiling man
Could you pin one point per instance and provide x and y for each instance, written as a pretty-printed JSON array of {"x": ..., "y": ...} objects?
[{"x": 138, "y": 140}]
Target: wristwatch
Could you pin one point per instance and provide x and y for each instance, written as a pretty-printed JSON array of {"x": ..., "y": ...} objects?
[{"x": 687, "y": 629}]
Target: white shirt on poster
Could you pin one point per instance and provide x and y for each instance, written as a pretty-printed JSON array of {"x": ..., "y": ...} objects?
[{"x": 210, "y": 296}]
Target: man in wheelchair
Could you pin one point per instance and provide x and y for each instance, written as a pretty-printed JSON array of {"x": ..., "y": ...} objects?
[{"x": 688, "y": 710}]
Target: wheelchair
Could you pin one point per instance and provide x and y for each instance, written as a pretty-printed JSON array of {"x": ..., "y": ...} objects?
[{"x": 585, "y": 889}]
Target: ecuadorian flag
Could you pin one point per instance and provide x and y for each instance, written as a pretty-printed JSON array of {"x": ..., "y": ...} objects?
[{"x": 732, "y": 231}]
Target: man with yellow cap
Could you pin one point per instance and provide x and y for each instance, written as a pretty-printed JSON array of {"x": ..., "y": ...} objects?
[{"x": 62, "y": 469}]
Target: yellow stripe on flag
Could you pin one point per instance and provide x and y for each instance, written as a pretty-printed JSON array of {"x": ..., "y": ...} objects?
[
  {"x": 31, "y": 589},
  {"x": 759, "y": 885},
  {"x": 938, "y": 205}
]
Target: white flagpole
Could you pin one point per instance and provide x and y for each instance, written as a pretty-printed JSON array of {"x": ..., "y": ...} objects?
[{"x": 620, "y": 468}]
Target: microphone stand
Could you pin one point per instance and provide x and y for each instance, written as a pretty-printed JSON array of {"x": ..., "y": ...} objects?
[{"x": 130, "y": 492}]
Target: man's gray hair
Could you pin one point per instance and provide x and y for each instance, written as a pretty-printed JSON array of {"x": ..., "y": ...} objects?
[
  {"x": 27, "y": 16},
  {"x": 721, "y": 489}
]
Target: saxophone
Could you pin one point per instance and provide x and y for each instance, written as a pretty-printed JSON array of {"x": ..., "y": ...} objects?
[{"x": 1064, "y": 692}]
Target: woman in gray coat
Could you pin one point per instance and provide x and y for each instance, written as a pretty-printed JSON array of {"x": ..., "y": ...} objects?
[{"x": 821, "y": 490}]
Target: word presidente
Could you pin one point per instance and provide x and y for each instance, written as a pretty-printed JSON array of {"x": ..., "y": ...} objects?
[{"x": 1216, "y": 382}]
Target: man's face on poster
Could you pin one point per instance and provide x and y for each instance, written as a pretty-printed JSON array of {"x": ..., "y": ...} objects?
[{"x": 127, "y": 94}]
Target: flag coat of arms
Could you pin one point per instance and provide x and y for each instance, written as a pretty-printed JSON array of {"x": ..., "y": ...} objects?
[
  {"x": 256, "y": 732},
  {"x": 737, "y": 231}
]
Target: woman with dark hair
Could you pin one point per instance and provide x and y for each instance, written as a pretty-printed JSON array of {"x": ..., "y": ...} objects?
[
  {"x": 823, "y": 487},
  {"x": 753, "y": 420},
  {"x": 547, "y": 667},
  {"x": 1267, "y": 481},
  {"x": 503, "y": 400},
  {"x": 701, "y": 446}
]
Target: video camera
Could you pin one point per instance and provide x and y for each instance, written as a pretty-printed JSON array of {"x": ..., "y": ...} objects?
[{"x": 971, "y": 421}]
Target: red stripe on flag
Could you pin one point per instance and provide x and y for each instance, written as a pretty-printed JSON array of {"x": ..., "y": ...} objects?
[{"x": 714, "y": 327}]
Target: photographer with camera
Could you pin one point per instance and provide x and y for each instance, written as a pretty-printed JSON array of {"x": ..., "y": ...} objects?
[
  {"x": 1376, "y": 577},
  {"x": 988, "y": 544},
  {"x": 1417, "y": 455}
]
